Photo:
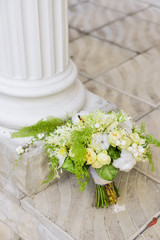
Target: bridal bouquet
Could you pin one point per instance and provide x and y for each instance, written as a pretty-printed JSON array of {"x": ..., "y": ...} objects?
[{"x": 93, "y": 144}]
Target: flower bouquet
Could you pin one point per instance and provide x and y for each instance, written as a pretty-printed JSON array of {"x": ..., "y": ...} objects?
[{"x": 93, "y": 144}]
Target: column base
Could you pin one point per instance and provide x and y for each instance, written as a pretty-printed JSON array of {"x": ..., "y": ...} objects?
[{"x": 26, "y": 102}]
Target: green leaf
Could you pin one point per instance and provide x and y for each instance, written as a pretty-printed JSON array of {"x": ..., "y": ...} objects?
[
  {"x": 107, "y": 172},
  {"x": 142, "y": 128},
  {"x": 80, "y": 139},
  {"x": 149, "y": 156},
  {"x": 150, "y": 139},
  {"x": 68, "y": 165},
  {"x": 114, "y": 152},
  {"x": 40, "y": 127}
]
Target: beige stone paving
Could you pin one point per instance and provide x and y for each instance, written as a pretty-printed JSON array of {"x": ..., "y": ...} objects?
[
  {"x": 95, "y": 16},
  {"x": 124, "y": 6},
  {"x": 90, "y": 55},
  {"x": 151, "y": 14},
  {"x": 132, "y": 33},
  {"x": 132, "y": 82}
]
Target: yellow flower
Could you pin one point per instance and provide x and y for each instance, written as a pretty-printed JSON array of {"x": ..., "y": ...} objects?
[
  {"x": 102, "y": 159},
  {"x": 125, "y": 143},
  {"x": 91, "y": 156},
  {"x": 63, "y": 151},
  {"x": 114, "y": 137},
  {"x": 136, "y": 138}
]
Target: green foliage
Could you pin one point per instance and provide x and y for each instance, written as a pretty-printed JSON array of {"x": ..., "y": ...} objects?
[
  {"x": 40, "y": 127},
  {"x": 107, "y": 172},
  {"x": 69, "y": 165},
  {"x": 149, "y": 156},
  {"x": 114, "y": 152},
  {"x": 142, "y": 129},
  {"x": 53, "y": 164},
  {"x": 150, "y": 139},
  {"x": 121, "y": 116},
  {"x": 79, "y": 139}
]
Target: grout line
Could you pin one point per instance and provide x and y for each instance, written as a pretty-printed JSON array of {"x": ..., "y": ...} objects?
[
  {"x": 127, "y": 94},
  {"x": 148, "y": 21},
  {"x": 145, "y": 114},
  {"x": 75, "y": 4},
  {"x": 147, "y": 175},
  {"x": 116, "y": 44},
  {"x": 120, "y": 18},
  {"x": 144, "y": 227},
  {"x": 111, "y": 68}
]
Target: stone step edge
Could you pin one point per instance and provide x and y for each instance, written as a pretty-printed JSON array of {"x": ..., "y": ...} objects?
[{"x": 25, "y": 220}]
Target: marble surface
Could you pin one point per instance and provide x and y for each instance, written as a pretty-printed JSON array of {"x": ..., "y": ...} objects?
[
  {"x": 124, "y": 6},
  {"x": 130, "y": 105},
  {"x": 131, "y": 33},
  {"x": 138, "y": 77},
  {"x": 95, "y": 16},
  {"x": 155, "y": 52},
  {"x": 72, "y": 2},
  {"x": 151, "y": 14},
  {"x": 94, "y": 56},
  {"x": 74, "y": 34},
  {"x": 153, "y": 2},
  {"x": 82, "y": 78}
]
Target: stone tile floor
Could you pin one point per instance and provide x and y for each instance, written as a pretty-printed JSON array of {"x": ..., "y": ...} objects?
[{"x": 116, "y": 47}]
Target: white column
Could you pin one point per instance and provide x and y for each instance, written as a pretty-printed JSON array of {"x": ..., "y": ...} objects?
[{"x": 37, "y": 78}]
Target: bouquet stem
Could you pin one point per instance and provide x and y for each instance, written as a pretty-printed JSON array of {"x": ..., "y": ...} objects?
[{"x": 106, "y": 195}]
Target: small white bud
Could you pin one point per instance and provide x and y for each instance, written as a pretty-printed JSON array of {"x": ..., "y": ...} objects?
[
  {"x": 19, "y": 150},
  {"x": 140, "y": 149},
  {"x": 134, "y": 145},
  {"x": 123, "y": 143},
  {"x": 40, "y": 135},
  {"x": 97, "y": 125},
  {"x": 135, "y": 155},
  {"x": 118, "y": 142},
  {"x": 129, "y": 149}
]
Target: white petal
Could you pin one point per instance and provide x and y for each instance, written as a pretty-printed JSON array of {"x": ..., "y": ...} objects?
[
  {"x": 102, "y": 145},
  {"x": 118, "y": 163},
  {"x": 99, "y": 138},
  {"x": 61, "y": 160},
  {"x": 128, "y": 166},
  {"x": 134, "y": 145},
  {"x": 105, "y": 137},
  {"x": 118, "y": 143}
]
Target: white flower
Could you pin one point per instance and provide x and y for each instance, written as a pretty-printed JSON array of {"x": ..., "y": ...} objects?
[
  {"x": 134, "y": 145},
  {"x": 100, "y": 140},
  {"x": 40, "y": 135},
  {"x": 141, "y": 149},
  {"x": 118, "y": 143},
  {"x": 125, "y": 162},
  {"x": 19, "y": 150},
  {"x": 123, "y": 143},
  {"x": 97, "y": 125},
  {"x": 77, "y": 116}
]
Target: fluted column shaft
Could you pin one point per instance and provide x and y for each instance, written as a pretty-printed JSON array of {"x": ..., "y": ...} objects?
[{"x": 35, "y": 69}]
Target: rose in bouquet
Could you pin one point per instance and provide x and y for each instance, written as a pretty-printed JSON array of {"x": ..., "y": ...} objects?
[{"x": 93, "y": 144}]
